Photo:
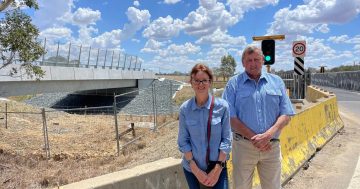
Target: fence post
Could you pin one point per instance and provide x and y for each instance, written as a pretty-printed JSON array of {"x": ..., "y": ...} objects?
[
  {"x": 45, "y": 131},
  {"x": 154, "y": 105},
  {"x": 124, "y": 62},
  {"x": 105, "y": 58},
  {"x": 118, "y": 64},
  {"x": 112, "y": 59},
  {"x": 130, "y": 62},
  {"x": 171, "y": 93},
  {"x": 133, "y": 129},
  {"x": 68, "y": 58},
  {"x": 88, "y": 62},
  {"x": 6, "y": 116},
  {"x": 79, "y": 56},
  {"x": 116, "y": 126},
  {"x": 97, "y": 58}
]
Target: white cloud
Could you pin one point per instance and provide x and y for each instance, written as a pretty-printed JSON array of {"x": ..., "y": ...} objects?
[
  {"x": 206, "y": 20},
  {"x": 187, "y": 48},
  {"x": 163, "y": 28},
  {"x": 357, "y": 49},
  {"x": 240, "y": 7},
  {"x": 49, "y": 12},
  {"x": 208, "y": 4},
  {"x": 108, "y": 39},
  {"x": 339, "y": 39},
  {"x": 86, "y": 33},
  {"x": 171, "y": 1},
  {"x": 310, "y": 16},
  {"x": 86, "y": 16},
  {"x": 219, "y": 38},
  {"x": 138, "y": 19},
  {"x": 56, "y": 33},
  {"x": 323, "y": 28},
  {"x": 136, "y": 3},
  {"x": 152, "y": 46}
]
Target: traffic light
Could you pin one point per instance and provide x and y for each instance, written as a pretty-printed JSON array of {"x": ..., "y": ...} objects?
[{"x": 268, "y": 49}]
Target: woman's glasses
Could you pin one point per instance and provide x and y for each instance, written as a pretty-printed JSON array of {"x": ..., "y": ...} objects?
[{"x": 197, "y": 82}]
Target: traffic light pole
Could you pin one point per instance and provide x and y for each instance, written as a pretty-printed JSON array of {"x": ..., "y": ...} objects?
[{"x": 268, "y": 68}]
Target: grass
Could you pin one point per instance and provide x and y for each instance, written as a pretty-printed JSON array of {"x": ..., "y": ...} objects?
[{"x": 21, "y": 98}]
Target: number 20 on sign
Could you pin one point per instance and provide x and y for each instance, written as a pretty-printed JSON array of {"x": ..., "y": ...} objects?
[{"x": 299, "y": 48}]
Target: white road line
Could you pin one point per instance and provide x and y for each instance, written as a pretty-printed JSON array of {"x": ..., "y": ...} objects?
[{"x": 355, "y": 180}]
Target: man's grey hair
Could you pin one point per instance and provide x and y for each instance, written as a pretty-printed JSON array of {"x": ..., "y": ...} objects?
[{"x": 249, "y": 50}]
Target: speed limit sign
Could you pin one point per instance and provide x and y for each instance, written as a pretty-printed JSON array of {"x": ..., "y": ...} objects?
[{"x": 299, "y": 48}]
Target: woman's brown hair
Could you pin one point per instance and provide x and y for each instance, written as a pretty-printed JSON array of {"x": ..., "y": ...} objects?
[{"x": 201, "y": 67}]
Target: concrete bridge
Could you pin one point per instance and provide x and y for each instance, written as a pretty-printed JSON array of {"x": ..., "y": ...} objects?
[{"x": 70, "y": 67}]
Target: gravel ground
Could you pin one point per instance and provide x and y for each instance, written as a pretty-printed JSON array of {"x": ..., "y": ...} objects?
[{"x": 142, "y": 104}]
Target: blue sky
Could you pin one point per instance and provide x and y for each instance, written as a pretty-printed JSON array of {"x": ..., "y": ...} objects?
[{"x": 173, "y": 35}]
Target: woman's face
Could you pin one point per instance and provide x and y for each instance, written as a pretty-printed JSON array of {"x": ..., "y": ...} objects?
[{"x": 200, "y": 82}]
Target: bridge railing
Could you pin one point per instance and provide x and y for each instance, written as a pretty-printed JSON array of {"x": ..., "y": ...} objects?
[
  {"x": 75, "y": 55},
  {"x": 349, "y": 80}
]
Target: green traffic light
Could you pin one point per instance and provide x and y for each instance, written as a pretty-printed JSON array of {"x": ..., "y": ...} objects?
[{"x": 267, "y": 58}]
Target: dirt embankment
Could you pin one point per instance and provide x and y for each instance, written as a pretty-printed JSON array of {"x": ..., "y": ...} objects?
[{"x": 81, "y": 146}]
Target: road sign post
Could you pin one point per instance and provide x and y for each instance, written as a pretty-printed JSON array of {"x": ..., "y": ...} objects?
[{"x": 298, "y": 52}]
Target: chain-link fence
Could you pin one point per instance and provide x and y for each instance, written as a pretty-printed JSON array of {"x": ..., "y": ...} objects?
[{"x": 88, "y": 131}]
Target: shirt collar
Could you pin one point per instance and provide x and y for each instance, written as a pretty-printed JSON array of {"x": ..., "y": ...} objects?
[
  {"x": 247, "y": 78},
  {"x": 194, "y": 106}
]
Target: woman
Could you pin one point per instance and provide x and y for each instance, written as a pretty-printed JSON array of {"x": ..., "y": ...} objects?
[{"x": 202, "y": 165}]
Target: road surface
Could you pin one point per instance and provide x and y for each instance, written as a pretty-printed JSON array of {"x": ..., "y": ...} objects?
[{"x": 337, "y": 165}]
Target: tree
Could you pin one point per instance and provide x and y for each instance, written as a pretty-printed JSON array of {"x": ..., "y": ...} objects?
[
  {"x": 18, "y": 38},
  {"x": 228, "y": 66}
]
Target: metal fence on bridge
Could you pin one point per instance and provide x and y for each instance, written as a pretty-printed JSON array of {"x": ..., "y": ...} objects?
[
  {"x": 75, "y": 55},
  {"x": 296, "y": 84},
  {"x": 349, "y": 80}
]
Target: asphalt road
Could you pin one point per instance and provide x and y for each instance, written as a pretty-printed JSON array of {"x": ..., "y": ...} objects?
[{"x": 336, "y": 165}]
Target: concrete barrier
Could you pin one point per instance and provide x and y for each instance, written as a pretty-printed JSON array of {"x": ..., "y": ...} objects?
[{"x": 161, "y": 174}]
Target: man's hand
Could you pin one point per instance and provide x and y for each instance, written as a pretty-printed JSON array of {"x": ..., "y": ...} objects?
[{"x": 262, "y": 141}]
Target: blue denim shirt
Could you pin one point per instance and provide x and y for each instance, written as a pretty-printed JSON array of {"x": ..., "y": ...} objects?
[
  {"x": 258, "y": 105},
  {"x": 193, "y": 131}
]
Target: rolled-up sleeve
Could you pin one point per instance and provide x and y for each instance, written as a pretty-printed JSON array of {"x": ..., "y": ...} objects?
[
  {"x": 183, "y": 135},
  {"x": 225, "y": 144},
  {"x": 229, "y": 96}
]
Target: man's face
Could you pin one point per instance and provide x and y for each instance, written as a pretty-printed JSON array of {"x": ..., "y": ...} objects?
[{"x": 253, "y": 63}]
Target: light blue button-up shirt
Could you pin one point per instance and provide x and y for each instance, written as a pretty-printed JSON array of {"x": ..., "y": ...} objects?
[
  {"x": 193, "y": 131},
  {"x": 258, "y": 105}
]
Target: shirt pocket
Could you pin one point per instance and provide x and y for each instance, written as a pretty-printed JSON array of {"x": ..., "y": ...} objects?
[
  {"x": 216, "y": 126},
  {"x": 273, "y": 97},
  {"x": 193, "y": 127},
  {"x": 243, "y": 98}
]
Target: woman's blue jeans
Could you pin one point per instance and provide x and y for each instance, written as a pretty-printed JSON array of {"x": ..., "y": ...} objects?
[{"x": 195, "y": 184}]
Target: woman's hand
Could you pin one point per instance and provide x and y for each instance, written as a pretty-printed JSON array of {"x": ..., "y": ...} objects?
[
  {"x": 213, "y": 176},
  {"x": 199, "y": 174}
]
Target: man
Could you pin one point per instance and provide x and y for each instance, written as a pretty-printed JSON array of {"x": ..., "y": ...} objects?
[{"x": 259, "y": 109}]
